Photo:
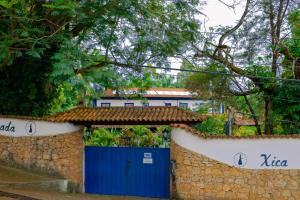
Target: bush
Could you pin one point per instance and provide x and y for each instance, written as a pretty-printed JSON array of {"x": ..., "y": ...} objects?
[
  {"x": 101, "y": 137},
  {"x": 135, "y": 136},
  {"x": 212, "y": 125},
  {"x": 245, "y": 131}
]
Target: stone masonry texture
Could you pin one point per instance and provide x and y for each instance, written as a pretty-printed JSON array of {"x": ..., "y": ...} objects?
[
  {"x": 60, "y": 155},
  {"x": 199, "y": 177}
]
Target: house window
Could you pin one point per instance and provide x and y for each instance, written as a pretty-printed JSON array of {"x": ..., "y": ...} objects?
[
  {"x": 146, "y": 104},
  {"x": 129, "y": 104},
  {"x": 183, "y": 105},
  {"x": 94, "y": 103},
  {"x": 105, "y": 104},
  {"x": 168, "y": 104}
]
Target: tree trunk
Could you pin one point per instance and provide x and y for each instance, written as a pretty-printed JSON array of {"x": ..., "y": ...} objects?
[
  {"x": 297, "y": 68},
  {"x": 250, "y": 108},
  {"x": 268, "y": 111},
  {"x": 253, "y": 115}
]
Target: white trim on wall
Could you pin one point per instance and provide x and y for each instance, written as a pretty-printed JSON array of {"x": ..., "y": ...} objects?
[
  {"x": 273, "y": 153},
  {"x": 21, "y": 127}
]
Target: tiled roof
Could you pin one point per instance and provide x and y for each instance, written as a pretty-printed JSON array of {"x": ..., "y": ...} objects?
[
  {"x": 244, "y": 122},
  {"x": 128, "y": 116},
  {"x": 122, "y": 126},
  {"x": 211, "y": 136},
  {"x": 151, "y": 92}
]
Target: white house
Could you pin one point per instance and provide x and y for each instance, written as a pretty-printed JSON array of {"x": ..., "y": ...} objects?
[{"x": 180, "y": 97}]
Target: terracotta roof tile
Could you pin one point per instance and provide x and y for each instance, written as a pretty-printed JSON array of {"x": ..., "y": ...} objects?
[
  {"x": 244, "y": 122},
  {"x": 128, "y": 115},
  {"x": 209, "y": 136},
  {"x": 110, "y": 93}
]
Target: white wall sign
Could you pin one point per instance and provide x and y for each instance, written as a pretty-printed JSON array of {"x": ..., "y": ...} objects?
[
  {"x": 21, "y": 127},
  {"x": 147, "y": 158},
  {"x": 147, "y": 155},
  {"x": 272, "y": 153},
  {"x": 147, "y": 161}
]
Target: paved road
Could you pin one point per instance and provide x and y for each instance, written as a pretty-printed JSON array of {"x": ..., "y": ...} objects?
[{"x": 17, "y": 194}]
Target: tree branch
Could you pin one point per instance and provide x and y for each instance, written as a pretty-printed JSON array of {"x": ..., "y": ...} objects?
[
  {"x": 285, "y": 51},
  {"x": 217, "y": 55},
  {"x": 243, "y": 93},
  {"x": 279, "y": 20},
  {"x": 232, "y": 6},
  {"x": 110, "y": 37},
  {"x": 249, "y": 106},
  {"x": 240, "y": 22}
]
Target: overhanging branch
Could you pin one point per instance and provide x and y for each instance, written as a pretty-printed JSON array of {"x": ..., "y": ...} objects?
[
  {"x": 240, "y": 22},
  {"x": 244, "y": 93}
]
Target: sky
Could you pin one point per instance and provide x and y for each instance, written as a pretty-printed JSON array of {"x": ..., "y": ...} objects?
[{"x": 217, "y": 14}]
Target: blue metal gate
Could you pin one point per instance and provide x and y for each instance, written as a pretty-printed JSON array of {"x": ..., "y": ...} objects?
[{"x": 127, "y": 171}]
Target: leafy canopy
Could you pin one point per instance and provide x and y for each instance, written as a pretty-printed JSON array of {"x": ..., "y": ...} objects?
[{"x": 51, "y": 49}]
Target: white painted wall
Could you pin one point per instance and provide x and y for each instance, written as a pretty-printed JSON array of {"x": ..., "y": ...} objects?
[
  {"x": 21, "y": 127},
  {"x": 192, "y": 104},
  {"x": 228, "y": 150}
]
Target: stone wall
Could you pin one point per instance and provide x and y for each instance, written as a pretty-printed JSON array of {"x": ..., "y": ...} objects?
[
  {"x": 199, "y": 177},
  {"x": 60, "y": 155}
]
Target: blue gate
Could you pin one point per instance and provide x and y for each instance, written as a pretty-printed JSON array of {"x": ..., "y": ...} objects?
[{"x": 127, "y": 171}]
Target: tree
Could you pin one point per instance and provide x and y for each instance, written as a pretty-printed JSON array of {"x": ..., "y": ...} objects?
[
  {"x": 289, "y": 111},
  {"x": 226, "y": 89},
  {"x": 256, "y": 48},
  {"x": 46, "y": 45}
]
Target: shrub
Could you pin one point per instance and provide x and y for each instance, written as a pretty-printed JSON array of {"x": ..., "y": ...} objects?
[
  {"x": 135, "y": 136},
  {"x": 212, "y": 125},
  {"x": 101, "y": 137},
  {"x": 245, "y": 131}
]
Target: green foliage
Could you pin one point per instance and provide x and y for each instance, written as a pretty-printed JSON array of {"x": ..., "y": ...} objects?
[
  {"x": 61, "y": 5},
  {"x": 142, "y": 80},
  {"x": 27, "y": 45},
  {"x": 25, "y": 89},
  {"x": 141, "y": 136},
  {"x": 259, "y": 70},
  {"x": 288, "y": 110},
  {"x": 293, "y": 45},
  {"x": 101, "y": 137},
  {"x": 294, "y": 20},
  {"x": 150, "y": 140},
  {"x": 202, "y": 109},
  {"x": 8, "y": 4},
  {"x": 286, "y": 97},
  {"x": 210, "y": 86},
  {"x": 238, "y": 103},
  {"x": 66, "y": 98},
  {"x": 223, "y": 89},
  {"x": 245, "y": 131},
  {"x": 137, "y": 136},
  {"x": 212, "y": 125},
  {"x": 215, "y": 125},
  {"x": 60, "y": 37},
  {"x": 140, "y": 130}
]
